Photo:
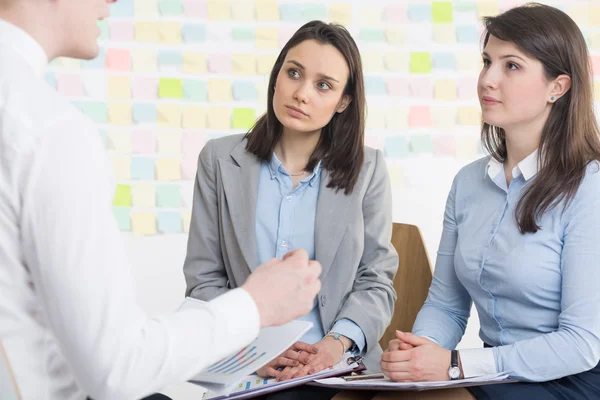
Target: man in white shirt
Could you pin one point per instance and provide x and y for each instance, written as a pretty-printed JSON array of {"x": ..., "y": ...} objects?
[{"x": 69, "y": 322}]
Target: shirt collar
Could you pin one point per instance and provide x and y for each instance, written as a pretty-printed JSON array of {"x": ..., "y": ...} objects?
[
  {"x": 528, "y": 167},
  {"x": 276, "y": 167},
  {"x": 20, "y": 41}
]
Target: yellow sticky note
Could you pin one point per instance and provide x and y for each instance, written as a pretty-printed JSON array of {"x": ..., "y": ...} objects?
[
  {"x": 219, "y": 90},
  {"x": 218, "y": 9},
  {"x": 487, "y": 8},
  {"x": 444, "y": 33},
  {"x": 395, "y": 35},
  {"x": 265, "y": 63},
  {"x": 468, "y": 61},
  {"x": 145, "y": 8},
  {"x": 167, "y": 169},
  {"x": 597, "y": 91},
  {"x": 444, "y": 118},
  {"x": 169, "y": 32},
  {"x": 396, "y": 61},
  {"x": 143, "y": 223},
  {"x": 144, "y": 60},
  {"x": 397, "y": 119},
  {"x": 169, "y": 143},
  {"x": 169, "y": 115},
  {"x": 186, "y": 215},
  {"x": 242, "y": 10},
  {"x": 372, "y": 61},
  {"x": 243, "y": 64},
  {"x": 194, "y": 63},
  {"x": 376, "y": 117},
  {"x": 194, "y": 117},
  {"x": 119, "y": 113},
  {"x": 267, "y": 37},
  {"x": 445, "y": 89},
  {"x": 370, "y": 15},
  {"x": 579, "y": 14},
  {"x": 466, "y": 146},
  {"x": 122, "y": 167},
  {"x": 469, "y": 115},
  {"x": 219, "y": 118},
  {"x": 119, "y": 141},
  {"x": 146, "y": 31},
  {"x": 340, "y": 13},
  {"x": 396, "y": 178},
  {"x": 594, "y": 39},
  {"x": 594, "y": 15},
  {"x": 143, "y": 195},
  {"x": 267, "y": 10},
  {"x": 119, "y": 87},
  {"x": 68, "y": 63}
]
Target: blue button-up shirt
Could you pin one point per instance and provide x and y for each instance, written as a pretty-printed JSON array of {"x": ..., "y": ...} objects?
[
  {"x": 537, "y": 294},
  {"x": 285, "y": 220}
]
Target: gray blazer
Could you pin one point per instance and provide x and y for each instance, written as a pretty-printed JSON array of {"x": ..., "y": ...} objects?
[{"x": 352, "y": 238}]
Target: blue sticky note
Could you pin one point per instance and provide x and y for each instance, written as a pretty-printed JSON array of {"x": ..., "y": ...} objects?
[
  {"x": 302, "y": 12},
  {"x": 244, "y": 90},
  {"x": 50, "y": 79},
  {"x": 169, "y": 222},
  {"x": 170, "y": 58},
  {"x": 396, "y": 147},
  {"x": 195, "y": 90},
  {"x": 375, "y": 85},
  {"x": 96, "y": 111},
  {"x": 168, "y": 196},
  {"x": 467, "y": 34},
  {"x": 96, "y": 63},
  {"x": 123, "y": 220},
  {"x": 243, "y": 34},
  {"x": 419, "y": 13},
  {"x": 443, "y": 61},
  {"x": 372, "y": 35},
  {"x": 142, "y": 168},
  {"x": 193, "y": 33},
  {"x": 122, "y": 8},
  {"x": 144, "y": 113},
  {"x": 78, "y": 105}
]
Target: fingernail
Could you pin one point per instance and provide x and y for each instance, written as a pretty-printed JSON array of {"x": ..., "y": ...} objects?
[
  {"x": 315, "y": 349},
  {"x": 296, "y": 363}
]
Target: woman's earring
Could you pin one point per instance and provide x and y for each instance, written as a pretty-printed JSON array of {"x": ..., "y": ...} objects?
[{"x": 552, "y": 98}]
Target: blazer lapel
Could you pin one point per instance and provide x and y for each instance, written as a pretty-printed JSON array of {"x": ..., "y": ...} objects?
[{"x": 240, "y": 182}]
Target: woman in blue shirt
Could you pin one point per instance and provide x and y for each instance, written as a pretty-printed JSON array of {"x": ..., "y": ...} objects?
[
  {"x": 302, "y": 178},
  {"x": 521, "y": 235}
]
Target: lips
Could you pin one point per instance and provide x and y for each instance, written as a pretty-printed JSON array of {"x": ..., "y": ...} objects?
[
  {"x": 490, "y": 100},
  {"x": 296, "y": 110}
]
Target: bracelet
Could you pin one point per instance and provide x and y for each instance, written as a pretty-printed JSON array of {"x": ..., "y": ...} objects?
[{"x": 336, "y": 336}]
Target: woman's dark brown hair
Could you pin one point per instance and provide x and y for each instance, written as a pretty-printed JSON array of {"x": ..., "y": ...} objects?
[
  {"x": 569, "y": 138},
  {"x": 341, "y": 144}
]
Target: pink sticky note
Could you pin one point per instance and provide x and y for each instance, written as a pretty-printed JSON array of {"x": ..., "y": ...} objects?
[
  {"x": 194, "y": 8},
  {"x": 467, "y": 88},
  {"x": 189, "y": 164},
  {"x": 145, "y": 88},
  {"x": 118, "y": 60},
  {"x": 444, "y": 146},
  {"x": 219, "y": 63},
  {"x": 69, "y": 84},
  {"x": 192, "y": 141},
  {"x": 421, "y": 87},
  {"x": 596, "y": 65},
  {"x": 419, "y": 117},
  {"x": 121, "y": 31},
  {"x": 285, "y": 34},
  {"x": 375, "y": 142},
  {"x": 143, "y": 142},
  {"x": 394, "y": 13},
  {"x": 397, "y": 87}
]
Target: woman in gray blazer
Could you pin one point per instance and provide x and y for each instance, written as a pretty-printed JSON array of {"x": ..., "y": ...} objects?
[{"x": 302, "y": 178}]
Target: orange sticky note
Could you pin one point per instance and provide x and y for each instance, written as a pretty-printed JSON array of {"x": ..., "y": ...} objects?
[
  {"x": 118, "y": 60},
  {"x": 419, "y": 117}
]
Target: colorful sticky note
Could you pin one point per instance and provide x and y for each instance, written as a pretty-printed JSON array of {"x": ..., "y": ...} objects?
[
  {"x": 243, "y": 34},
  {"x": 444, "y": 146},
  {"x": 219, "y": 90},
  {"x": 396, "y": 61},
  {"x": 119, "y": 87},
  {"x": 396, "y": 147},
  {"x": 170, "y": 88},
  {"x": 372, "y": 61},
  {"x": 444, "y": 118},
  {"x": 302, "y": 12},
  {"x": 170, "y": 8},
  {"x": 195, "y": 90},
  {"x": 169, "y": 115},
  {"x": 375, "y": 85},
  {"x": 143, "y": 195},
  {"x": 142, "y": 168},
  {"x": 119, "y": 141},
  {"x": 487, "y": 8},
  {"x": 395, "y": 35},
  {"x": 397, "y": 86},
  {"x": 419, "y": 36},
  {"x": 468, "y": 60},
  {"x": 169, "y": 143},
  {"x": 144, "y": 60},
  {"x": 397, "y": 118},
  {"x": 121, "y": 31},
  {"x": 69, "y": 84},
  {"x": 242, "y": 10},
  {"x": 376, "y": 118},
  {"x": 265, "y": 63},
  {"x": 220, "y": 63},
  {"x": 104, "y": 30},
  {"x": 445, "y": 89},
  {"x": 187, "y": 193},
  {"x": 169, "y": 32},
  {"x": 97, "y": 63},
  {"x": 50, "y": 79},
  {"x": 143, "y": 142},
  {"x": 375, "y": 142},
  {"x": 122, "y": 8},
  {"x": 394, "y": 13},
  {"x": 186, "y": 215},
  {"x": 444, "y": 34},
  {"x": 194, "y": 8},
  {"x": 372, "y": 35},
  {"x": 467, "y": 88},
  {"x": 168, "y": 196},
  {"x": 145, "y": 88},
  {"x": 194, "y": 117},
  {"x": 192, "y": 141},
  {"x": 421, "y": 144},
  {"x": 146, "y": 8},
  {"x": 243, "y": 118},
  {"x": 146, "y": 31},
  {"x": 466, "y": 147},
  {"x": 218, "y": 9},
  {"x": 194, "y": 63},
  {"x": 469, "y": 115},
  {"x": 441, "y": 12},
  {"x": 443, "y": 61},
  {"x": 121, "y": 166},
  {"x": 419, "y": 13},
  {"x": 167, "y": 169},
  {"x": 370, "y": 15},
  {"x": 467, "y": 34},
  {"x": 170, "y": 61},
  {"x": 420, "y": 63},
  {"x": 121, "y": 215},
  {"x": 96, "y": 111},
  {"x": 193, "y": 33},
  {"x": 188, "y": 166},
  {"x": 397, "y": 180},
  {"x": 244, "y": 90},
  {"x": 218, "y": 33},
  {"x": 419, "y": 117},
  {"x": 219, "y": 118},
  {"x": 169, "y": 221},
  {"x": 144, "y": 113},
  {"x": 267, "y": 37},
  {"x": 122, "y": 196},
  {"x": 421, "y": 87},
  {"x": 118, "y": 60},
  {"x": 594, "y": 15},
  {"x": 267, "y": 10},
  {"x": 67, "y": 63},
  {"x": 119, "y": 113},
  {"x": 340, "y": 13},
  {"x": 244, "y": 64},
  {"x": 143, "y": 223}
]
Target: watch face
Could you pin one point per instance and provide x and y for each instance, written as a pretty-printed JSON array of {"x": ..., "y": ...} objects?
[{"x": 454, "y": 373}]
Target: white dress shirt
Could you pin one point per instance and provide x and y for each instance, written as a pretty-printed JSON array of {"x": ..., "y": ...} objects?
[{"x": 69, "y": 320}]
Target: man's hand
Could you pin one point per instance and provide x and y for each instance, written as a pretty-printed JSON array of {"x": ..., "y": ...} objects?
[
  {"x": 295, "y": 356},
  {"x": 284, "y": 290},
  {"x": 330, "y": 353}
]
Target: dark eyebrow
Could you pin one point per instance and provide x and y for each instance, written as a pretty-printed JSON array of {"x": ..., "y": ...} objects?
[
  {"x": 506, "y": 56},
  {"x": 296, "y": 63}
]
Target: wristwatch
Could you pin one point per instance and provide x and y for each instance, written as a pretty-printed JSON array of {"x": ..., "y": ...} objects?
[{"x": 454, "y": 370}]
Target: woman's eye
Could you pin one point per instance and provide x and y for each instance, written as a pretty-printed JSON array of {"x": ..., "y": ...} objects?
[
  {"x": 293, "y": 73},
  {"x": 324, "y": 86},
  {"x": 486, "y": 62},
  {"x": 512, "y": 66}
]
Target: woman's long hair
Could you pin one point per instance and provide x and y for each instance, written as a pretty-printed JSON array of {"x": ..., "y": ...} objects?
[
  {"x": 341, "y": 144},
  {"x": 569, "y": 138}
]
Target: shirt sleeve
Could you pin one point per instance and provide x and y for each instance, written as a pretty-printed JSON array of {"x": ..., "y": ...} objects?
[
  {"x": 352, "y": 331},
  {"x": 83, "y": 281},
  {"x": 477, "y": 362}
]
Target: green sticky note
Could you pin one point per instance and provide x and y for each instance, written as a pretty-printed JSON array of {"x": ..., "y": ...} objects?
[
  {"x": 243, "y": 118},
  {"x": 194, "y": 90},
  {"x": 104, "y": 29},
  {"x": 122, "y": 196},
  {"x": 442, "y": 12},
  {"x": 465, "y": 5},
  {"x": 170, "y": 7},
  {"x": 421, "y": 144},
  {"x": 122, "y": 216},
  {"x": 242, "y": 33},
  {"x": 169, "y": 88},
  {"x": 97, "y": 112},
  {"x": 420, "y": 63},
  {"x": 372, "y": 35},
  {"x": 168, "y": 196}
]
